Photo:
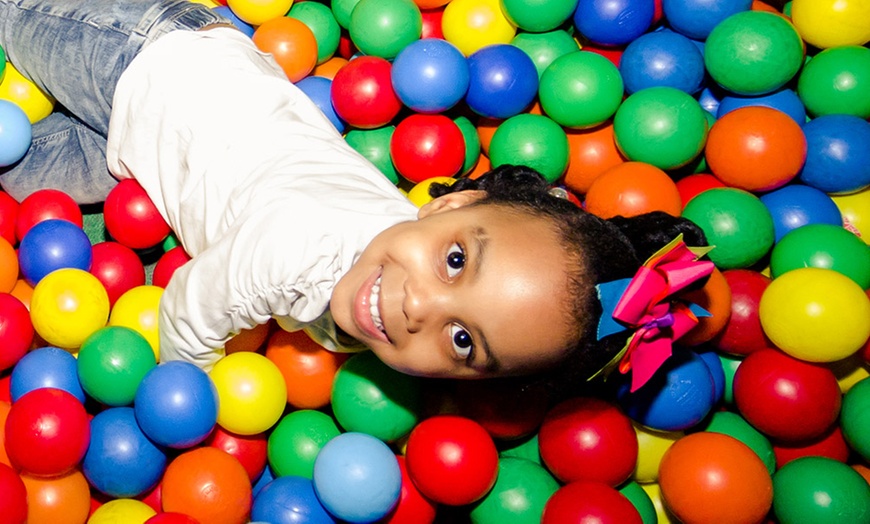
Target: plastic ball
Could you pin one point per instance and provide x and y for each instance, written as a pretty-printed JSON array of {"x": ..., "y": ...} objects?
[
  {"x": 296, "y": 440},
  {"x": 240, "y": 24},
  {"x": 837, "y": 82},
  {"x": 823, "y": 246},
  {"x": 117, "y": 267},
  {"x": 816, "y": 314},
  {"x": 743, "y": 333},
  {"x": 544, "y": 48},
  {"x": 507, "y": 410},
  {"x": 176, "y": 404},
  {"x": 320, "y": 20},
  {"x": 503, "y": 81},
  {"x": 412, "y": 507},
  {"x": 538, "y": 17},
  {"x": 249, "y": 450},
  {"x": 19, "y": 90},
  {"x": 16, "y": 331},
  {"x": 357, "y": 477},
  {"x": 8, "y": 216},
  {"x": 384, "y": 27},
  {"x": 855, "y": 210},
  {"x": 830, "y": 444},
  {"x": 122, "y": 511},
  {"x": 137, "y": 309},
  {"x": 651, "y": 446},
  {"x": 288, "y": 500},
  {"x": 307, "y": 367},
  {"x": 535, "y": 141},
  {"x": 838, "y": 154},
  {"x": 167, "y": 264},
  {"x": 772, "y": 390},
  {"x": 818, "y": 489},
  {"x": 613, "y": 23},
  {"x": 46, "y": 367},
  {"x": 707, "y": 477},
  {"x": 291, "y": 43},
  {"x": 696, "y": 18},
  {"x": 112, "y": 363},
  {"x": 831, "y": 23},
  {"x": 471, "y": 25},
  {"x": 695, "y": 184},
  {"x": 432, "y": 22},
  {"x": 419, "y": 194},
  {"x": 121, "y": 461},
  {"x": 662, "y": 58},
  {"x": 67, "y": 306},
  {"x": 452, "y": 460},
  {"x": 256, "y": 12},
  {"x": 580, "y": 89},
  {"x": 251, "y": 391},
  {"x": 13, "y": 496},
  {"x": 631, "y": 189},
  {"x": 425, "y": 146},
  {"x": 53, "y": 244},
  {"x": 736, "y": 222},
  {"x": 430, "y": 75},
  {"x": 132, "y": 218},
  {"x": 733, "y": 425},
  {"x": 59, "y": 500},
  {"x": 785, "y": 100},
  {"x": 45, "y": 204},
  {"x": 209, "y": 485},
  {"x": 587, "y": 500},
  {"x": 796, "y": 205},
  {"x": 374, "y": 145},
  {"x": 591, "y": 152},
  {"x": 362, "y": 93},
  {"x": 640, "y": 500},
  {"x": 854, "y": 417},
  {"x": 16, "y": 133},
  {"x": 318, "y": 89}
]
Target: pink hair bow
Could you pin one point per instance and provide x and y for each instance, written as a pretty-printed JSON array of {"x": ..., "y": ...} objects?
[{"x": 646, "y": 304}]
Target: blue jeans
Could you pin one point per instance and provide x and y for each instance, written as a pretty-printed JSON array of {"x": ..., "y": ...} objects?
[{"x": 75, "y": 51}]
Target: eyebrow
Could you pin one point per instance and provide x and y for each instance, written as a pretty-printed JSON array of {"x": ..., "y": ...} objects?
[{"x": 481, "y": 240}]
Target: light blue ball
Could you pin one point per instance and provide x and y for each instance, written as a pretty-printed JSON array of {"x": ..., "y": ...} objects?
[
  {"x": 243, "y": 26},
  {"x": 289, "y": 500},
  {"x": 430, "y": 75},
  {"x": 16, "y": 133},
  {"x": 318, "y": 89},
  {"x": 47, "y": 367}
]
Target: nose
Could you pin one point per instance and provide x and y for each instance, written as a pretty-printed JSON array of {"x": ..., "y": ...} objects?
[{"x": 421, "y": 304}]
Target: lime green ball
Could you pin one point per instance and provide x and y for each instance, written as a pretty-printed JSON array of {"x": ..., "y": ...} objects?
[
  {"x": 824, "y": 246},
  {"x": 520, "y": 493},
  {"x": 837, "y": 81},
  {"x": 2, "y": 63},
  {"x": 538, "y": 16},
  {"x": 820, "y": 490},
  {"x": 580, "y": 89},
  {"x": 112, "y": 362},
  {"x": 641, "y": 502},
  {"x": 544, "y": 48},
  {"x": 531, "y": 140},
  {"x": 297, "y": 439},
  {"x": 374, "y": 145},
  {"x": 319, "y": 18},
  {"x": 730, "y": 363},
  {"x": 733, "y": 425},
  {"x": 735, "y": 222},
  {"x": 524, "y": 448},
  {"x": 472, "y": 142},
  {"x": 855, "y": 418},
  {"x": 753, "y": 52},
  {"x": 341, "y": 10},
  {"x": 385, "y": 27}
]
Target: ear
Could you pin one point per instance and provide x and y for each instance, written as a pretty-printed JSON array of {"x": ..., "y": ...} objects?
[{"x": 450, "y": 201}]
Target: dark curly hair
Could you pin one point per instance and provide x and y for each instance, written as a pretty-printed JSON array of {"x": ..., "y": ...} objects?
[{"x": 600, "y": 251}]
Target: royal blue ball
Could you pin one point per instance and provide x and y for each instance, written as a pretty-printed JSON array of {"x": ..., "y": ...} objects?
[
  {"x": 266, "y": 477},
  {"x": 16, "y": 133},
  {"x": 318, "y": 88},
  {"x": 53, "y": 244},
  {"x": 121, "y": 461},
  {"x": 47, "y": 367},
  {"x": 289, "y": 500},
  {"x": 503, "y": 81},
  {"x": 696, "y": 18},
  {"x": 717, "y": 372},
  {"x": 176, "y": 404},
  {"x": 227, "y": 13},
  {"x": 797, "y": 205},
  {"x": 613, "y": 22},
  {"x": 785, "y": 100},
  {"x": 357, "y": 477},
  {"x": 710, "y": 99},
  {"x": 838, "y": 154},
  {"x": 430, "y": 75},
  {"x": 662, "y": 58}
]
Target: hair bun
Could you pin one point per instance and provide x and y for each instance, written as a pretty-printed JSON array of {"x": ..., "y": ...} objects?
[{"x": 649, "y": 232}]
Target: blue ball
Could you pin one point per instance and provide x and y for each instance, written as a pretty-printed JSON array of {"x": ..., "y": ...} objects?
[
  {"x": 785, "y": 100},
  {"x": 227, "y": 13},
  {"x": 678, "y": 397},
  {"x": 430, "y": 75},
  {"x": 266, "y": 477},
  {"x": 176, "y": 404},
  {"x": 710, "y": 100},
  {"x": 16, "y": 133},
  {"x": 121, "y": 461},
  {"x": 796, "y": 205},
  {"x": 662, "y": 58},
  {"x": 357, "y": 477},
  {"x": 503, "y": 81},
  {"x": 696, "y": 18},
  {"x": 717, "y": 372},
  {"x": 47, "y": 367},
  {"x": 318, "y": 88},
  {"x": 289, "y": 500},
  {"x": 613, "y": 22},
  {"x": 53, "y": 244},
  {"x": 838, "y": 154}
]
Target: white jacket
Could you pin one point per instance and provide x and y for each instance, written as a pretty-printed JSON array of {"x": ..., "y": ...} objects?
[{"x": 261, "y": 190}]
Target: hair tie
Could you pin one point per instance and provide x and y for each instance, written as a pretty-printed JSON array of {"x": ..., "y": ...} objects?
[{"x": 647, "y": 304}]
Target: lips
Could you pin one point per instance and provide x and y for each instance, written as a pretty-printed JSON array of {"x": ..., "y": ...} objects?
[{"x": 366, "y": 308}]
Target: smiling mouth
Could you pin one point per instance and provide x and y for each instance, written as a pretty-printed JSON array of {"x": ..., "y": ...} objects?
[{"x": 374, "y": 299}]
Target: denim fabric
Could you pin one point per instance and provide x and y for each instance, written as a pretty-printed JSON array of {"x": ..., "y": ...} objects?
[{"x": 75, "y": 50}]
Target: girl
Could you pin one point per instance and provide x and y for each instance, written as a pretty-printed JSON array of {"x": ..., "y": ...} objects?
[{"x": 284, "y": 220}]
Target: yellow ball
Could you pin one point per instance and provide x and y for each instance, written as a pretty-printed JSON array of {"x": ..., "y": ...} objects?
[
  {"x": 25, "y": 94},
  {"x": 816, "y": 315},
  {"x": 207, "y": 3},
  {"x": 251, "y": 392},
  {"x": 419, "y": 194},
  {"x": 67, "y": 306},
  {"x": 473, "y": 24},
  {"x": 255, "y": 12},
  {"x": 654, "y": 492},
  {"x": 122, "y": 511},
  {"x": 652, "y": 446},
  {"x": 832, "y": 23},
  {"x": 855, "y": 208},
  {"x": 138, "y": 310}
]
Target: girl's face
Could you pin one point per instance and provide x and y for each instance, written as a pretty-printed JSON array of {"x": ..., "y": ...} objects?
[{"x": 465, "y": 291}]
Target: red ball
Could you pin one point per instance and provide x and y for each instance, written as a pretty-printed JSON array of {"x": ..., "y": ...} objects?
[
  {"x": 426, "y": 146},
  {"x": 132, "y": 218},
  {"x": 831, "y": 444},
  {"x": 413, "y": 507},
  {"x": 362, "y": 93},
  {"x": 8, "y": 216},
  {"x": 786, "y": 398},
  {"x": 13, "y": 496},
  {"x": 249, "y": 450},
  {"x": 507, "y": 410},
  {"x": 118, "y": 267},
  {"x": 588, "y": 439},
  {"x": 47, "y": 432},
  {"x": 16, "y": 330},
  {"x": 153, "y": 497},
  {"x": 587, "y": 501},
  {"x": 167, "y": 264},
  {"x": 742, "y": 333},
  {"x": 432, "y": 23},
  {"x": 171, "y": 518},
  {"x": 693, "y": 185},
  {"x": 451, "y": 459},
  {"x": 46, "y": 204}
]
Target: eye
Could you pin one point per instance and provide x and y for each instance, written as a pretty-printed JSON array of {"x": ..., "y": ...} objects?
[
  {"x": 461, "y": 339},
  {"x": 455, "y": 260}
]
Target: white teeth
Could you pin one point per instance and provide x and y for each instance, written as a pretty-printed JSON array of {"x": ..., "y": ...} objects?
[{"x": 373, "y": 305}]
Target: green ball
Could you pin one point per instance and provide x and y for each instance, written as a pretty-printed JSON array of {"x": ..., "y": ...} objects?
[
  {"x": 641, "y": 502},
  {"x": 519, "y": 495},
  {"x": 2, "y": 63},
  {"x": 524, "y": 448},
  {"x": 544, "y": 48},
  {"x": 820, "y": 490},
  {"x": 537, "y": 16},
  {"x": 580, "y": 89},
  {"x": 531, "y": 140},
  {"x": 369, "y": 397},
  {"x": 735, "y": 222},
  {"x": 297, "y": 439},
  {"x": 472, "y": 142},
  {"x": 824, "y": 246},
  {"x": 733, "y": 425},
  {"x": 341, "y": 10},
  {"x": 730, "y": 363},
  {"x": 319, "y": 18},
  {"x": 385, "y": 27},
  {"x": 753, "y": 52},
  {"x": 112, "y": 362},
  {"x": 837, "y": 81},
  {"x": 374, "y": 145},
  {"x": 855, "y": 418},
  {"x": 662, "y": 126}
]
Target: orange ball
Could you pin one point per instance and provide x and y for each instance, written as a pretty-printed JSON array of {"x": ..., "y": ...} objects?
[
  {"x": 591, "y": 152},
  {"x": 292, "y": 44},
  {"x": 485, "y": 129},
  {"x": 756, "y": 148},
  {"x": 308, "y": 368},
  {"x": 8, "y": 266},
  {"x": 330, "y": 67},
  {"x": 631, "y": 189},
  {"x": 248, "y": 339},
  {"x": 59, "y": 500},
  {"x": 208, "y": 484},
  {"x": 715, "y": 297},
  {"x": 23, "y": 292},
  {"x": 712, "y": 477},
  {"x": 482, "y": 167}
]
